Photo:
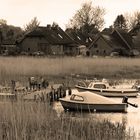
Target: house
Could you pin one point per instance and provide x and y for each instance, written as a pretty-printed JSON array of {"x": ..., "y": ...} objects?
[
  {"x": 0, "y": 40},
  {"x": 109, "y": 41},
  {"x": 77, "y": 36},
  {"x": 8, "y": 47},
  {"x": 51, "y": 40},
  {"x": 80, "y": 37},
  {"x": 135, "y": 32}
]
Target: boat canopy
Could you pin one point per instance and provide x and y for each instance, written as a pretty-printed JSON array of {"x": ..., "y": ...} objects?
[
  {"x": 88, "y": 97},
  {"x": 99, "y": 85}
]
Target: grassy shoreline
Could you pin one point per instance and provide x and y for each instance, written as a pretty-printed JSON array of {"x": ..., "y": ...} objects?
[
  {"x": 67, "y": 68},
  {"x": 70, "y": 65}
]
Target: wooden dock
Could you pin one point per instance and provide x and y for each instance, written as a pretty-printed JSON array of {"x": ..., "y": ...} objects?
[{"x": 50, "y": 94}]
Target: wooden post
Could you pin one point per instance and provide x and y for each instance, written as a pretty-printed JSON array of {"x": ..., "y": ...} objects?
[
  {"x": 69, "y": 91},
  {"x": 13, "y": 85},
  {"x": 35, "y": 97},
  {"x": 57, "y": 96}
]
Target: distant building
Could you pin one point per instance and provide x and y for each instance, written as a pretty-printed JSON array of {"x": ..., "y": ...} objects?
[
  {"x": 110, "y": 41},
  {"x": 8, "y": 47},
  {"x": 135, "y": 32},
  {"x": 0, "y": 40},
  {"x": 51, "y": 40},
  {"x": 80, "y": 37}
]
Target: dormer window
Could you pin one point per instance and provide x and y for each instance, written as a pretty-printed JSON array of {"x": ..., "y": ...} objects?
[
  {"x": 78, "y": 37},
  {"x": 60, "y": 36},
  {"x": 90, "y": 39}
]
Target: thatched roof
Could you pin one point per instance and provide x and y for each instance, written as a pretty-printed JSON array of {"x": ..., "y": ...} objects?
[{"x": 53, "y": 35}]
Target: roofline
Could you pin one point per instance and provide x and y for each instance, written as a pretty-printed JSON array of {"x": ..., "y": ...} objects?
[
  {"x": 123, "y": 39},
  {"x": 100, "y": 35}
]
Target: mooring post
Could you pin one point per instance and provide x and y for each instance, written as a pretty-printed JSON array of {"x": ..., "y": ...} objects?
[
  {"x": 69, "y": 91},
  {"x": 57, "y": 96},
  {"x": 13, "y": 86}
]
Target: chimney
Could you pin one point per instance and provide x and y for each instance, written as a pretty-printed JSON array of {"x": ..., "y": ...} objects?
[{"x": 48, "y": 26}]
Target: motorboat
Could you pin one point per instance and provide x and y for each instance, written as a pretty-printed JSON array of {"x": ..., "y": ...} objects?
[
  {"x": 88, "y": 101},
  {"x": 103, "y": 88}
]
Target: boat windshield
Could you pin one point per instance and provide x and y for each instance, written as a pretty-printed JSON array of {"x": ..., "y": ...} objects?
[
  {"x": 77, "y": 98},
  {"x": 100, "y": 86}
]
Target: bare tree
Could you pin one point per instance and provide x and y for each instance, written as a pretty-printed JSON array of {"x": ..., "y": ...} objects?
[
  {"x": 132, "y": 20},
  {"x": 88, "y": 15},
  {"x": 32, "y": 25}
]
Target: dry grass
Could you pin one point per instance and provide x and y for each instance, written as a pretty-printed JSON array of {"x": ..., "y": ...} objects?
[
  {"x": 38, "y": 121},
  {"x": 105, "y": 67}
]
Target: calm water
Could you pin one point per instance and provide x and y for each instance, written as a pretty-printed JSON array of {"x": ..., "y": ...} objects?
[{"x": 132, "y": 117}]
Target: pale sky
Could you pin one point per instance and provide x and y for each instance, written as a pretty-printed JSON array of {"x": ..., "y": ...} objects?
[{"x": 20, "y": 12}]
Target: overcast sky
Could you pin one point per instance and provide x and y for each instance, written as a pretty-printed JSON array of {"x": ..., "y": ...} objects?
[{"x": 20, "y": 12}]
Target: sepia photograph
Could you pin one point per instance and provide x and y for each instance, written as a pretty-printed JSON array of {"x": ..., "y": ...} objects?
[{"x": 69, "y": 69}]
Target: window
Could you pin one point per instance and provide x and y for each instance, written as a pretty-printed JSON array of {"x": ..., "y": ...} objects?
[
  {"x": 77, "y": 98},
  {"x": 60, "y": 36},
  {"x": 90, "y": 39},
  {"x": 90, "y": 85},
  {"x": 28, "y": 49},
  {"x": 95, "y": 45},
  {"x": 100, "y": 86},
  {"x": 78, "y": 37}
]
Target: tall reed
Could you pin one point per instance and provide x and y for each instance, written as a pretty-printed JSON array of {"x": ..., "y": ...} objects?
[
  {"x": 103, "y": 67},
  {"x": 38, "y": 121}
]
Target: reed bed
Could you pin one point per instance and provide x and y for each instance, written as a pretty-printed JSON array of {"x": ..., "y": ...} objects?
[
  {"x": 96, "y": 67},
  {"x": 38, "y": 121}
]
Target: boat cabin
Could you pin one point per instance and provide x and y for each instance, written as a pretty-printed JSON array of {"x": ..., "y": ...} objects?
[
  {"x": 99, "y": 85},
  {"x": 91, "y": 98}
]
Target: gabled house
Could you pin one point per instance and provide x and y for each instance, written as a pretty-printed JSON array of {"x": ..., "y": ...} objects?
[
  {"x": 51, "y": 40},
  {"x": 109, "y": 41},
  {"x": 136, "y": 41},
  {"x": 77, "y": 36},
  {"x": 80, "y": 37}
]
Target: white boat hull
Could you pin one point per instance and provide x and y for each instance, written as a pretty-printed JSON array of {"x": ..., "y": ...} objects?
[{"x": 110, "y": 92}]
